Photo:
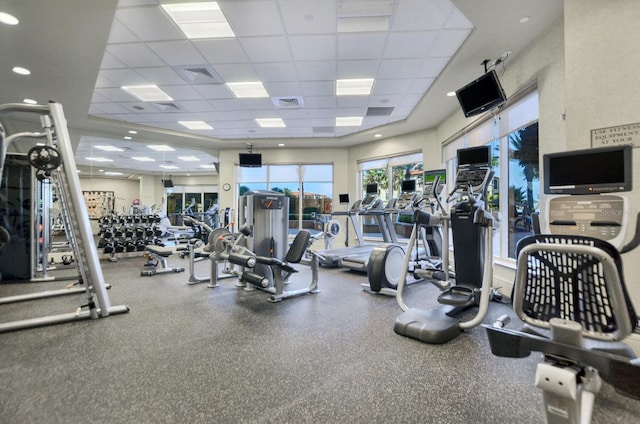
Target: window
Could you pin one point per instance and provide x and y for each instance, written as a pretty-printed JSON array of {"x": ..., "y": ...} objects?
[
  {"x": 515, "y": 190},
  {"x": 308, "y": 187},
  {"x": 389, "y": 173},
  {"x": 194, "y": 200}
]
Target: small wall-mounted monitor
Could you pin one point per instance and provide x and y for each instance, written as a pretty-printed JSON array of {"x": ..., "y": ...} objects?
[
  {"x": 250, "y": 160},
  {"x": 372, "y": 188},
  {"x": 481, "y": 95},
  {"x": 430, "y": 176},
  {"x": 475, "y": 156},
  {"x": 167, "y": 183},
  {"x": 590, "y": 171},
  {"x": 344, "y": 198},
  {"x": 408, "y": 186}
]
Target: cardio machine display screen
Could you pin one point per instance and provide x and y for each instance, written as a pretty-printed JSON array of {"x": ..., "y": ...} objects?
[
  {"x": 592, "y": 171},
  {"x": 475, "y": 156}
]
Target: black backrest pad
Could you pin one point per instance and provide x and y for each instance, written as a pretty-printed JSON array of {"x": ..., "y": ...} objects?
[
  {"x": 299, "y": 245},
  {"x": 571, "y": 286}
]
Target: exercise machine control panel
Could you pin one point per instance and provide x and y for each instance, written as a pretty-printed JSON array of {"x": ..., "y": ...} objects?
[{"x": 599, "y": 216}]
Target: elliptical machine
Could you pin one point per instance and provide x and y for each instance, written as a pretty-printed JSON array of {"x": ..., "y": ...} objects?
[{"x": 472, "y": 230}]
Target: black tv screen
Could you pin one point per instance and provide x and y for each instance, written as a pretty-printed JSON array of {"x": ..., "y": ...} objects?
[
  {"x": 372, "y": 188},
  {"x": 408, "y": 186},
  {"x": 475, "y": 156},
  {"x": 590, "y": 171},
  {"x": 344, "y": 198},
  {"x": 481, "y": 95},
  {"x": 250, "y": 160},
  {"x": 167, "y": 183}
]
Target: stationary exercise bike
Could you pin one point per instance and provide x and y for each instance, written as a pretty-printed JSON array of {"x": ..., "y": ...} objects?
[{"x": 472, "y": 229}]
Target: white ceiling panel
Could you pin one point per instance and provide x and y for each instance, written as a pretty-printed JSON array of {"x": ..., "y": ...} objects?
[
  {"x": 432, "y": 67},
  {"x": 420, "y": 85},
  {"x": 412, "y": 15},
  {"x": 282, "y": 71},
  {"x": 368, "y": 45},
  {"x": 448, "y": 42},
  {"x": 110, "y": 62},
  {"x": 122, "y": 77},
  {"x": 160, "y": 76},
  {"x": 134, "y": 55},
  {"x": 267, "y": 49},
  {"x": 319, "y": 102},
  {"x": 181, "y": 92},
  {"x": 176, "y": 52},
  {"x": 148, "y": 23},
  {"x": 313, "y": 47},
  {"x": 264, "y": 21},
  {"x": 121, "y": 34},
  {"x": 357, "y": 68},
  {"x": 214, "y": 92},
  {"x": 391, "y": 86},
  {"x": 303, "y": 17},
  {"x": 409, "y": 44},
  {"x": 317, "y": 71},
  {"x": 399, "y": 68},
  {"x": 237, "y": 72},
  {"x": 221, "y": 51}
]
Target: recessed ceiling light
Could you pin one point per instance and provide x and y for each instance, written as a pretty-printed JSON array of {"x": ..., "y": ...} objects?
[
  {"x": 354, "y": 87},
  {"x": 99, "y": 159},
  {"x": 161, "y": 148},
  {"x": 143, "y": 159},
  {"x": 109, "y": 148},
  {"x": 8, "y": 19},
  {"x": 126, "y": 137},
  {"x": 451, "y": 93},
  {"x": 147, "y": 93},
  {"x": 30, "y": 101},
  {"x": 21, "y": 71},
  {"x": 348, "y": 121},
  {"x": 280, "y": 144},
  {"x": 189, "y": 158},
  {"x": 271, "y": 122},
  {"x": 377, "y": 135},
  {"x": 196, "y": 125},
  {"x": 169, "y": 167},
  {"x": 113, "y": 174},
  {"x": 199, "y": 20},
  {"x": 207, "y": 166},
  {"x": 247, "y": 89},
  {"x": 133, "y": 132},
  {"x": 525, "y": 19}
]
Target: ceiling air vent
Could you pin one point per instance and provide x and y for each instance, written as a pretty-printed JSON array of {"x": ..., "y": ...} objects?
[
  {"x": 199, "y": 74},
  {"x": 380, "y": 111},
  {"x": 288, "y": 102},
  {"x": 167, "y": 106}
]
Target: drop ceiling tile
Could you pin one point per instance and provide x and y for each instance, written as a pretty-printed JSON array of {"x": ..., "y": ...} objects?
[
  {"x": 167, "y": 117},
  {"x": 457, "y": 20},
  {"x": 282, "y": 71},
  {"x": 131, "y": 117},
  {"x": 353, "y": 102},
  {"x": 313, "y": 47},
  {"x": 237, "y": 72},
  {"x": 266, "y": 22},
  {"x": 221, "y": 51},
  {"x": 399, "y": 68},
  {"x": 409, "y": 44},
  {"x": 109, "y": 62},
  {"x": 194, "y": 105},
  {"x": 148, "y": 23},
  {"x": 357, "y": 68},
  {"x": 410, "y": 100},
  {"x": 412, "y": 15},
  {"x": 354, "y": 46},
  {"x": 324, "y": 102},
  {"x": 121, "y": 34},
  {"x": 207, "y": 116},
  {"x": 301, "y": 17},
  {"x": 327, "y": 116},
  {"x": 283, "y": 89},
  {"x": 448, "y": 42},
  {"x": 257, "y": 104},
  {"x": 420, "y": 85},
  {"x": 237, "y": 114},
  {"x": 214, "y": 92},
  {"x": 122, "y": 77},
  {"x": 292, "y": 114},
  {"x": 317, "y": 71},
  {"x": 266, "y": 49},
  {"x": 181, "y": 92},
  {"x": 296, "y": 121},
  {"x": 114, "y": 94},
  {"x": 432, "y": 67},
  {"x": 391, "y": 86},
  {"x": 318, "y": 88},
  {"x": 228, "y": 105},
  {"x": 136, "y": 54},
  {"x": 160, "y": 75},
  {"x": 303, "y": 131},
  {"x": 223, "y": 124},
  {"x": 176, "y": 52}
]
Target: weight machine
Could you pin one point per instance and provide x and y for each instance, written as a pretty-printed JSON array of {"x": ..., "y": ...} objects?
[{"x": 56, "y": 158}]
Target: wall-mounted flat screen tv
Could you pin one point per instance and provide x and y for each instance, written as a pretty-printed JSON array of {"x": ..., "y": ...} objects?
[
  {"x": 589, "y": 171},
  {"x": 344, "y": 198},
  {"x": 250, "y": 160},
  {"x": 167, "y": 183},
  {"x": 408, "y": 186},
  {"x": 372, "y": 188},
  {"x": 474, "y": 156},
  {"x": 481, "y": 95}
]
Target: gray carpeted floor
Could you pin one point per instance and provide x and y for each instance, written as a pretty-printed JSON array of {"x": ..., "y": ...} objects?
[{"x": 190, "y": 354}]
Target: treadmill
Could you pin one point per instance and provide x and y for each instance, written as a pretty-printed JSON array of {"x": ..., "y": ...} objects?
[
  {"x": 360, "y": 262},
  {"x": 331, "y": 257}
]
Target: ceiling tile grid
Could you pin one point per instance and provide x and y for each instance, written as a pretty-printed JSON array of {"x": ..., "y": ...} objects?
[{"x": 293, "y": 47}]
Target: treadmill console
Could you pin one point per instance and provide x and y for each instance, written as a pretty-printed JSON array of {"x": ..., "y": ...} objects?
[
  {"x": 368, "y": 201},
  {"x": 599, "y": 216},
  {"x": 405, "y": 200}
]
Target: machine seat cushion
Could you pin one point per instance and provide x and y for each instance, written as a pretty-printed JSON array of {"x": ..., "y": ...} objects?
[
  {"x": 298, "y": 247},
  {"x": 159, "y": 251}
]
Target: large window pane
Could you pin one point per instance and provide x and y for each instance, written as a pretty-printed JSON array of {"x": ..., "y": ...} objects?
[{"x": 524, "y": 189}]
